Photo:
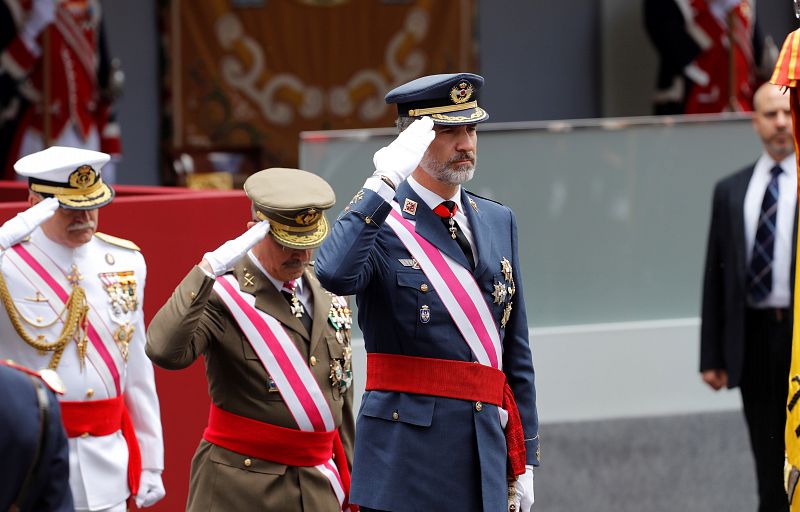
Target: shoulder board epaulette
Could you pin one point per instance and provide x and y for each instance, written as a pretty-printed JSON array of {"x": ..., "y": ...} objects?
[
  {"x": 481, "y": 197},
  {"x": 49, "y": 377},
  {"x": 120, "y": 242}
]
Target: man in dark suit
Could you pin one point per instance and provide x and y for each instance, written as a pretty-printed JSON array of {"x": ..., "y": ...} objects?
[
  {"x": 34, "y": 455},
  {"x": 435, "y": 271},
  {"x": 747, "y": 292}
]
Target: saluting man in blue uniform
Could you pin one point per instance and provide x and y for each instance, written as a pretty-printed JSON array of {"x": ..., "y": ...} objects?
[{"x": 435, "y": 272}]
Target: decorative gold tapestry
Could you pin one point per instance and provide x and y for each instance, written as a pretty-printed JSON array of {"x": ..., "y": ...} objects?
[{"x": 244, "y": 74}]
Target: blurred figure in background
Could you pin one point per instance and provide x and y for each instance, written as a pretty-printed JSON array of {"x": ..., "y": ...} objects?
[
  {"x": 712, "y": 57},
  {"x": 54, "y": 53},
  {"x": 34, "y": 455},
  {"x": 746, "y": 333}
]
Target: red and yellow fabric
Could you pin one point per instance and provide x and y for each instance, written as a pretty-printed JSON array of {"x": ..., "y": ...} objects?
[{"x": 787, "y": 70}]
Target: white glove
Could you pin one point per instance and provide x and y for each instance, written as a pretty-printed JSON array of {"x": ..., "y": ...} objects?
[
  {"x": 14, "y": 230},
  {"x": 503, "y": 417},
  {"x": 523, "y": 490},
  {"x": 151, "y": 488},
  {"x": 222, "y": 259},
  {"x": 42, "y": 14},
  {"x": 399, "y": 159}
]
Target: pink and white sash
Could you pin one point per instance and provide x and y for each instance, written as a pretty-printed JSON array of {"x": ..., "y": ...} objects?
[
  {"x": 101, "y": 351},
  {"x": 457, "y": 289},
  {"x": 285, "y": 365}
]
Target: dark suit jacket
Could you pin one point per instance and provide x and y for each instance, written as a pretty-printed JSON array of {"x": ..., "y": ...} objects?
[{"x": 722, "y": 333}]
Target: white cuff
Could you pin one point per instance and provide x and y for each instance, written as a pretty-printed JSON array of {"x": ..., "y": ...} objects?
[{"x": 378, "y": 186}]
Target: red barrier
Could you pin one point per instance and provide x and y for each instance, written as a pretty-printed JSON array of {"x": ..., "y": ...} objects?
[{"x": 174, "y": 228}]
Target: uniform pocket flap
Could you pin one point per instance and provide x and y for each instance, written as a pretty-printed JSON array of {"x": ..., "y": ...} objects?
[
  {"x": 400, "y": 407},
  {"x": 411, "y": 279},
  {"x": 236, "y": 460}
]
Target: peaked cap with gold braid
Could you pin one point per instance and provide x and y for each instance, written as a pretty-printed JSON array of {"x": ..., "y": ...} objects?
[
  {"x": 293, "y": 201},
  {"x": 71, "y": 175},
  {"x": 449, "y": 99}
]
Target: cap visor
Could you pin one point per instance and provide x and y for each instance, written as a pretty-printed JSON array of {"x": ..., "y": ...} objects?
[
  {"x": 468, "y": 116},
  {"x": 101, "y": 197},
  {"x": 307, "y": 240}
]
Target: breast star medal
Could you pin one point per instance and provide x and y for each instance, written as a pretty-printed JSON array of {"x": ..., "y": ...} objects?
[
  {"x": 342, "y": 371},
  {"x": 508, "y": 290},
  {"x": 499, "y": 293}
]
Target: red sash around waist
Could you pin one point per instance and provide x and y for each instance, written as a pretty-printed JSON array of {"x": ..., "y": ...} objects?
[
  {"x": 451, "y": 379},
  {"x": 102, "y": 418},
  {"x": 277, "y": 444}
]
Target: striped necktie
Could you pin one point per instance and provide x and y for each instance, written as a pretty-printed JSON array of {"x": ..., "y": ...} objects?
[{"x": 761, "y": 259}]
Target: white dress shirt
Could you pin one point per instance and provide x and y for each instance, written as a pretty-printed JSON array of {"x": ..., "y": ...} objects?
[{"x": 780, "y": 296}]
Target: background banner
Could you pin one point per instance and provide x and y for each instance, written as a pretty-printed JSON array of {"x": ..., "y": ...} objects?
[{"x": 244, "y": 74}]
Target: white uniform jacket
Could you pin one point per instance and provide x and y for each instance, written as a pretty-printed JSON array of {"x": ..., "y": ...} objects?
[{"x": 98, "y": 465}]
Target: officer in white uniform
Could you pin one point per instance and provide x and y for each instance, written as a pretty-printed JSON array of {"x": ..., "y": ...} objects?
[{"x": 72, "y": 302}]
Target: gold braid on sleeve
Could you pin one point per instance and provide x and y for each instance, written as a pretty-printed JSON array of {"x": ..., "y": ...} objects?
[{"x": 74, "y": 324}]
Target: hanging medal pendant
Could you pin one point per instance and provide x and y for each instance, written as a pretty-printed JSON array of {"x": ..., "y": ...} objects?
[
  {"x": 123, "y": 336},
  {"x": 297, "y": 307},
  {"x": 452, "y": 228}
]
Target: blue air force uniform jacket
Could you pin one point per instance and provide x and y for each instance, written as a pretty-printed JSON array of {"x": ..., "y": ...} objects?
[
  {"x": 32, "y": 440},
  {"x": 417, "y": 452}
]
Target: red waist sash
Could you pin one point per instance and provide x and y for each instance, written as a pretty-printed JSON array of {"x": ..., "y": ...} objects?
[
  {"x": 277, "y": 444},
  {"x": 102, "y": 418},
  {"x": 451, "y": 379}
]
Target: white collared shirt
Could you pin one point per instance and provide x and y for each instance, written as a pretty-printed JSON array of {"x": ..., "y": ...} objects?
[
  {"x": 780, "y": 296},
  {"x": 432, "y": 199},
  {"x": 302, "y": 292}
]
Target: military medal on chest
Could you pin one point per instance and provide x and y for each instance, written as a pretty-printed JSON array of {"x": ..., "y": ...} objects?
[
  {"x": 121, "y": 290},
  {"x": 504, "y": 290},
  {"x": 341, "y": 319}
]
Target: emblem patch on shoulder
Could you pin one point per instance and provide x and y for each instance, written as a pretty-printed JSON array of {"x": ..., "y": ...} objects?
[{"x": 410, "y": 207}]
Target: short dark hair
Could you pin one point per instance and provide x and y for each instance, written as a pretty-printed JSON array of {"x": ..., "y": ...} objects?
[{"x": 403, "y": 122}]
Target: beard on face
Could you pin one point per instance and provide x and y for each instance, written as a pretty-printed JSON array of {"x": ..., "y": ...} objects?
[
  {"x": 448, "y": 172},
  {"x": 780, "y": 144}
]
